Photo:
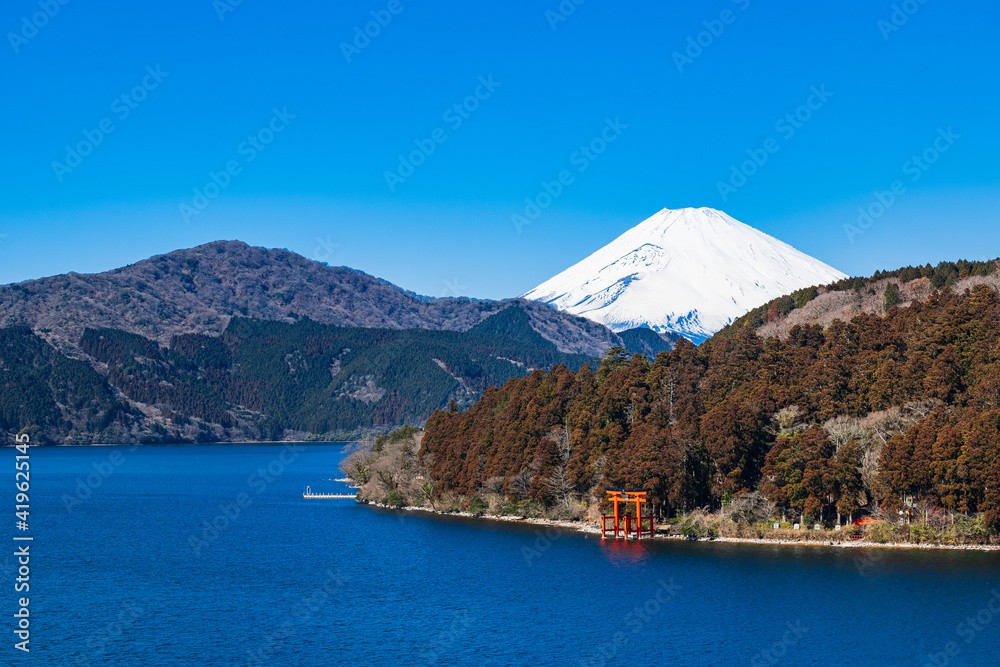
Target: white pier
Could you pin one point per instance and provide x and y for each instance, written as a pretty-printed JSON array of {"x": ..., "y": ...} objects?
[{"x": 309, "y": 494}]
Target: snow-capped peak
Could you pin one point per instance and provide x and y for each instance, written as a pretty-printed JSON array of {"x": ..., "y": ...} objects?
[{"x": 688, "y": 270}]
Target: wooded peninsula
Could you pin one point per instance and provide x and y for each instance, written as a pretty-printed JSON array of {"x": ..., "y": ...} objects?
[{"x": 873, "y": 417}]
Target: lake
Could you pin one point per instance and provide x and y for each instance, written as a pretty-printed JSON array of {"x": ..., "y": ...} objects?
[{"x": 210, "y": 555}]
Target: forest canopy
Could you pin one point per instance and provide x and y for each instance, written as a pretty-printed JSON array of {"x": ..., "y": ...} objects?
[{"x": 861, "y": 417}]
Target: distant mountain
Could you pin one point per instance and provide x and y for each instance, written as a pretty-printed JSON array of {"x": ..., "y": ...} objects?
[
  {"x": 229, "y": 342},
  {"x": 198, "y": 290},
  {"x": 684, "y": 271}
]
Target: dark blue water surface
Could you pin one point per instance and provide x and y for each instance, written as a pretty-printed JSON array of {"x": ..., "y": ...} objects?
[{"x": 132, "y": 575}]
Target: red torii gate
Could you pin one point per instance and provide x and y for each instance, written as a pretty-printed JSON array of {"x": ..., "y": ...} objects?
[{"x": 638, "y": 496}]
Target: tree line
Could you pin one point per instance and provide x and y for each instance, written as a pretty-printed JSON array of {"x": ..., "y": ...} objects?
[{"x": 863, "y": 417}]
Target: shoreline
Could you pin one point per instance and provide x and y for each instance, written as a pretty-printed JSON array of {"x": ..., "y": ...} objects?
[
  {"x": 589, "y": 529},
  {"x": 199, "y": 444},
  {"x": 578, "y": 526},
  {"x": 845, "y": 545}
]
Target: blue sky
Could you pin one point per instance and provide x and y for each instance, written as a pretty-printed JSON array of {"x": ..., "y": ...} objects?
[{"x": 309, "y": 128}]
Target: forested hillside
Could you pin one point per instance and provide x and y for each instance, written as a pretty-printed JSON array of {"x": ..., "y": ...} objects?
[
  {"x": 259, "y": 380},
  {"x": 845, "y": 299},
  {"x": 38, "y": 385},
  {"x": 859, "y": 416}
]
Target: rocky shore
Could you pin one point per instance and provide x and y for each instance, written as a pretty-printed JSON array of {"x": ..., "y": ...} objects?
[{"x": 585, "y": 527}]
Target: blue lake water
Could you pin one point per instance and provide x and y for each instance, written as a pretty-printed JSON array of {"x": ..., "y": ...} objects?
[{"x": 116, "y": 579}]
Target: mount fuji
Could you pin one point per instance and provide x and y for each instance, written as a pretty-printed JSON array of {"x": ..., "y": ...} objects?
[{"x": 688, "y": 271}]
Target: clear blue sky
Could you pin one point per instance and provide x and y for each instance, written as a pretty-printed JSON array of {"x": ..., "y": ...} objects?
[{"x": 319, "y": 187}]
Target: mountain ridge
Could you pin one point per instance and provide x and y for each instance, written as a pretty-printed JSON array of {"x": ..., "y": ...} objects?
[
  {"x": 197, "y": 290},
  {"x": 228, "y": 342}
]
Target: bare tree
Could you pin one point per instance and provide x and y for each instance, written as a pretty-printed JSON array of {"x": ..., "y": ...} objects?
[
  {"x": 869, "y": 471},
  {"x": 559, "y": 485},
  {"x": 520, "y": 484},
  {"x": 921, "y": 409},
  {"x": 842, "y": 430},
  {"x": 872, "y": 432},
  {"x": 359, "y": 463},
  {"x": 669, "y": 386},
  {"x": 558, "y": 482},
  {"x": 750, "y": 508},
  {"x": 884, "y": 424},
  {"x": 494, "y": 485}
]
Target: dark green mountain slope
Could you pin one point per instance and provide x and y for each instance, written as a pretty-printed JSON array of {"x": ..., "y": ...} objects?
[
  {"x": 41, "y": 387},
  {"x": 646, "y": 341},
  {"x": 260, "y": 379}
]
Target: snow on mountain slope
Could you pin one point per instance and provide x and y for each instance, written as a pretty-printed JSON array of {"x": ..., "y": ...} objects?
[{"x": 689, "y": 271}]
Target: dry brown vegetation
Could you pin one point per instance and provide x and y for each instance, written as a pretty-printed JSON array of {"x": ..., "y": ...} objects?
[
  {"x": 833, "y": 305},
  {"x": 388, "y": 472}
]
